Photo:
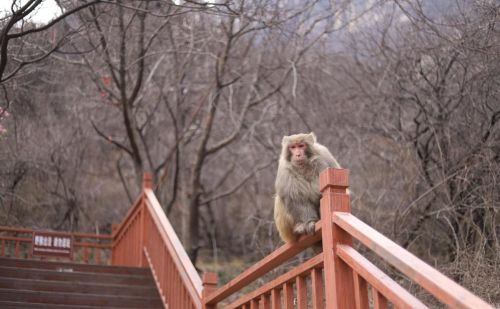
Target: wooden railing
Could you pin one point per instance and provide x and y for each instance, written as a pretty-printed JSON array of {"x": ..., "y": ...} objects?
[
  {"x": 341, "y": 277},
  {"x": 87, "y": 248},
  {"x": 146, "y": 239}
]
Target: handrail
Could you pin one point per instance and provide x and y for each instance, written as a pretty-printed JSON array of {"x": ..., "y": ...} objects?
[
  {"x": 83, "y": 247},
  {"x": 299, "y": 271},
  {"x": 347, "y": 274},
  {"x": 400, "y": 297},
  {"x": 442, "y": 287},
  {"x": 146, "y": 238},
  {"x": 340, "y": 277},
  {"x": 192, "y": 280},
  {"x": 121, "y": 229},
  {"x": 262, "y": 267}
]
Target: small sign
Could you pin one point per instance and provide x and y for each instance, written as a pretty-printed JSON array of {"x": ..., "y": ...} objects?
[{"x": 52, "y": 244}]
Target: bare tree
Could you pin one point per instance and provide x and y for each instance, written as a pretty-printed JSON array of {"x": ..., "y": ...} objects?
[
  {"x": 16, "y": 27},
  {"x": 428, "y": 88}
]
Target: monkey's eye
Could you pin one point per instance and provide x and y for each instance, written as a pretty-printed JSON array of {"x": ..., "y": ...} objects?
[{"x": 297, "y": 146}]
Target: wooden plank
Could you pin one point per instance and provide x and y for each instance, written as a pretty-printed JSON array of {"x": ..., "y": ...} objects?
[
  {"x": 276, "y": 258},
  {"x": 288, "y": 295},
  {"x": 265, "y": 301},
  {"x": 379, "y": 301},
  {"x": 17, "y": 250},
  {"x": 54, "y": 275},
  {"x": 317, "y": 289},
  {"x": 378, "y": 279},
  {"x": 189, "y": 276},
  {"x": 275, "y": 299},
  {"x": 290, "y": 276},
  {"x": 254, "y": 304},
  {"x": 442, "y": 287},
  {"x": 360, "y": 291},
  {"x": 12, "y": 238},
  {"x": 301, "y": 286}
]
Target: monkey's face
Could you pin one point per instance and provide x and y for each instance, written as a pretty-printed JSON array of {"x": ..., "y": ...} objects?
[
  {"x": 297, "y": 149},
  {"x": 298, "y": 153}
]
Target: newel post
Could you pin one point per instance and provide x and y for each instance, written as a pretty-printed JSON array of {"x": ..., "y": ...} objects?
[
  {"x": 147, "y": 183},
  {"x": 339, "y": 284},
  {"x": 209, "y": 285}
]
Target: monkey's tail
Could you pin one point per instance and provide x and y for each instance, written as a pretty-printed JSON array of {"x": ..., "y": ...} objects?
[{"x": 283, "y": 220}]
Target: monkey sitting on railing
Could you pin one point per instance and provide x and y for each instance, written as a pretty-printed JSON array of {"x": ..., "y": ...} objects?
[{"x": 296, "y": 204}]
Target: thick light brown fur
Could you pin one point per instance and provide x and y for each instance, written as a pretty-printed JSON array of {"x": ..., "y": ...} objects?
[{"x": 296, "y": 204}]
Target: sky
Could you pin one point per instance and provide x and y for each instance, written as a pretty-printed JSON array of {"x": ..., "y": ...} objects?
[{"x": 43, "y": 14}]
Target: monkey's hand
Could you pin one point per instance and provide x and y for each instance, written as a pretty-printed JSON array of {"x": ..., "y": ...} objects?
[
  {"x": 304, "y": 228},
  {"x": 310, "y": 225}
]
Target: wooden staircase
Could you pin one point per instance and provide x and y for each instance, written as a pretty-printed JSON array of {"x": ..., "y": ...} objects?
[
  {"x": 42, "y": 284},
  {"x": 340, "y": 277}
]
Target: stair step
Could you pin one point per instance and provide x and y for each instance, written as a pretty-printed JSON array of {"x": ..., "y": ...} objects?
[
  {"x": 72, "y": 276},
  {"x": 80, "y": 287},
  {"x": 26, "y": 296},
  {"x": 24, "y": 263}
]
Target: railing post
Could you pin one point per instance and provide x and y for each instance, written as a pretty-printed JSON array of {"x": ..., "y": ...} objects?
[
  {"x": 339, "y": 285},
  {"x": 209, "y": 285},
  {"x": 147, "y": 183},
  {"x": 114, "y": 229}
]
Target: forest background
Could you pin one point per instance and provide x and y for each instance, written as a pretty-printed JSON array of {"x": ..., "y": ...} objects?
[{"x": 405, "y": 93}]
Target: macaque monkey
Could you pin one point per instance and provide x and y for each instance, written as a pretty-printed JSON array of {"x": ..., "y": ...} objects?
[{"x": 296, "y": 204}]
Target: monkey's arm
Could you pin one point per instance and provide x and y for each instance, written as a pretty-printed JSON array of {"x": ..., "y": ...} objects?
[
  {"x": 301, "y": 209},
  {"x": 299, "y": 198},
  {"x": 325, "y": 157}
]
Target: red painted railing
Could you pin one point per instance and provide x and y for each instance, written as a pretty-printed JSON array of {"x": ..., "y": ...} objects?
[
  {"x": 341, "y": 277},
  {"x": 146, "y": 239},
  {"x": 88, "y": 248}
]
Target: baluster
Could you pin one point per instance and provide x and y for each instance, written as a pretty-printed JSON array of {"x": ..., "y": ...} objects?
[
  {"x": 379, "y": 300},
  {"x": 265, "y": 300},
  {"x": 288, "y": 295},
  {"x": 301, "y": 284},
  {"x": 85, "y": 255},
  {"x": 275, "y": 299},
  {"x": 254, "y": 304},
  {"x": 317, "y": 288},
  {"x": 16, "y": 254},
  {"x": 97, "y": 252},
  {"x": 360, "y": 291}
]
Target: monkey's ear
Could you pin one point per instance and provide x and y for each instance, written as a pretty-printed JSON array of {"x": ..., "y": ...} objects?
[{"x": 313, "y": 136}]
